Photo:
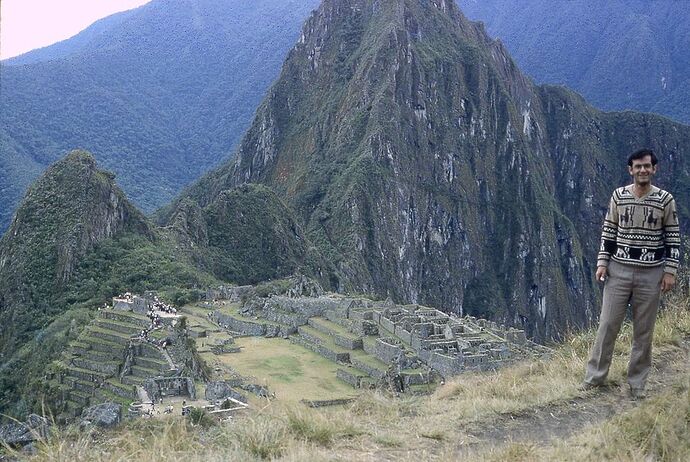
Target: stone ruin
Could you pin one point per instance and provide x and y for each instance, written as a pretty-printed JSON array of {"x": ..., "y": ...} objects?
[
  {"x": 380, "y": 342},
  {"x": 130, "y": 351},
  {"x": 161, "y": 387}
]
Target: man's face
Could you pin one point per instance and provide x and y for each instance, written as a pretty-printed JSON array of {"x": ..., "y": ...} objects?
[{"x": 642, "y": 170}]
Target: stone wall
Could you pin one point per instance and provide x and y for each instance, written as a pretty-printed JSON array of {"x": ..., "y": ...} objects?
[
  {"x": 385, "y": 351},
  {"x": 349, "y": 342},
  {"x": 218, "y": 391},
  {"x": 371, "y": 371},
  {"x": 159, "y": 387},
  {"x": 116, "y": 316},
  {"x": 322, "y": 350},
  {"x": 308, "y": 306},
  {"x": 327, "y": 402},
  {"x": 364, "y": 328},
  {"x": 445, "y": 365},
  {"x": 136, "y": 304},
  {"x": 348, "y": 377},
  {"x": 251, "y": 328},
  {"x": 110, "y": 368},
  {"x": 232, "y": 294}
]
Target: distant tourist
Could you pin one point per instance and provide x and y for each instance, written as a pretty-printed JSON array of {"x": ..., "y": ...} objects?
[{"x": 638, "y": 260}]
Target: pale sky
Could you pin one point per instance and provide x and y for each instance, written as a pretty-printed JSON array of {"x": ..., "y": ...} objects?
[{"x": 29, "y": 24}]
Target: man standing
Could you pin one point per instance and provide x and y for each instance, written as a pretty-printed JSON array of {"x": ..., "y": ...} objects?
[{"x": 638, "y": 259}]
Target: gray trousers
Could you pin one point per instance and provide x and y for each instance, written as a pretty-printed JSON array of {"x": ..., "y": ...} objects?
[{"x": 641, "y": 288}]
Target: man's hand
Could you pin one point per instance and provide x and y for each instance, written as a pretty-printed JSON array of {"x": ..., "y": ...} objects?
[
  {"x": 667, "y": 282},
  {"x": 602, "y": 272}
]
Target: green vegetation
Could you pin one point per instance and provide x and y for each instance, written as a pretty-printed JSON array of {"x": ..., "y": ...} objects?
[
  {"x": 253, "y": 237},
  {"x": 291, "y": 371},
  {"x": 134, "y": 90},
  {"x": 467, "y": 418},
  {"x": 617, "y": 46},
  {"x": 134, "y": 263}
]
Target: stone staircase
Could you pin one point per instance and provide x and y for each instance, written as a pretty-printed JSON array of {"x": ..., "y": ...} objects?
[{"x": 96, "y": 368}]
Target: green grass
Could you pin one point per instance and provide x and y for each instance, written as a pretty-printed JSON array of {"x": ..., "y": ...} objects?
[{"x": 291, "y": 371}]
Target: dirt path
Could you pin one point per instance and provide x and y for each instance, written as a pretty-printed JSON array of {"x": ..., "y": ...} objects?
[{"x": 559, "y": 421}]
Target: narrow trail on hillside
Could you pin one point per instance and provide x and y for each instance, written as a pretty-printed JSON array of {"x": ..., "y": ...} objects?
[{"x": 544, "y": 425}]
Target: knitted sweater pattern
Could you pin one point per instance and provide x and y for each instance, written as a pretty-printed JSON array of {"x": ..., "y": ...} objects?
[{"x": 641, "y": 231}]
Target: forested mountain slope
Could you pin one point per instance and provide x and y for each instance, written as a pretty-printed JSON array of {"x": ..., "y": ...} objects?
[
  {"x": 159, "y": 94},
  {"x": 619, "y": 54}
]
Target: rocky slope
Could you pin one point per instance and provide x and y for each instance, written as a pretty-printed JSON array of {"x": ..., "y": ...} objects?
[{"x": 428, "y": 168}]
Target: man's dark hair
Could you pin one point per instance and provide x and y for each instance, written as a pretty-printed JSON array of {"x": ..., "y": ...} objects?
[{"x": 640, "y": 154}]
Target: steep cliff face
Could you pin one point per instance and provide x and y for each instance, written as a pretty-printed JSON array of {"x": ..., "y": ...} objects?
[
  {"x": 427, "y": 167},
  {"x": 70, "y": 209}
]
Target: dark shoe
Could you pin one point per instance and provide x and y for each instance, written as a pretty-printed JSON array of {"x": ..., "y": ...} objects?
[{"x": 637, "y": 393}]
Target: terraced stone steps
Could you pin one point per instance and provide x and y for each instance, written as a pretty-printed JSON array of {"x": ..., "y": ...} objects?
[
  {"x": 79, "y": 397},
  {"x": 354, "y": 377},
  {"x": 133, "y": 380},
  {"x": 94, "y": 360},
  {"x": 118, "y": 326},
  {"x": 85, "y": 374},
  {"x": 152, "y": 363},
  {"x": 114, "y": 349},
  {"x": 335, "y": 356},
  {"x": 106, "y": 367},
  {"x": 341, "y": 336},
  {"x": 139, "y": 371},
  {"x": 108, "y": 335},
  {"x": 103, "y": 394},
  {"x": 104, "y": 356},
  {"x": 83, "y": 386},
  {"x": 360, "y": 369},
  {"x": 323, "y": 344},
  {"x": 122, "y": 390},
  {"x": 374, "y": 367},
  {"x": 126, "y": 317}
]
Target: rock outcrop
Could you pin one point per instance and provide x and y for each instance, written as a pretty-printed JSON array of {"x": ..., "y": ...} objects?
[{"x": 105, "y": 415}]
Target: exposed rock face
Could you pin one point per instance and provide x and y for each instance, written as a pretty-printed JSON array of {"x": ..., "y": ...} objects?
[
  {"x": 106, "y": 415},
  {"x": 219, "y": 390},
  {"x": 20, "y": 434},
  {"x": 428, "y": 168},
  {"x": 73, "y": 207}
]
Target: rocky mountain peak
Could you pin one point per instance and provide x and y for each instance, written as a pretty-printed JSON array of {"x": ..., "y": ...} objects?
[
  {"x": 69, "y": 210},
  {"x": 428, "y": 168}
]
